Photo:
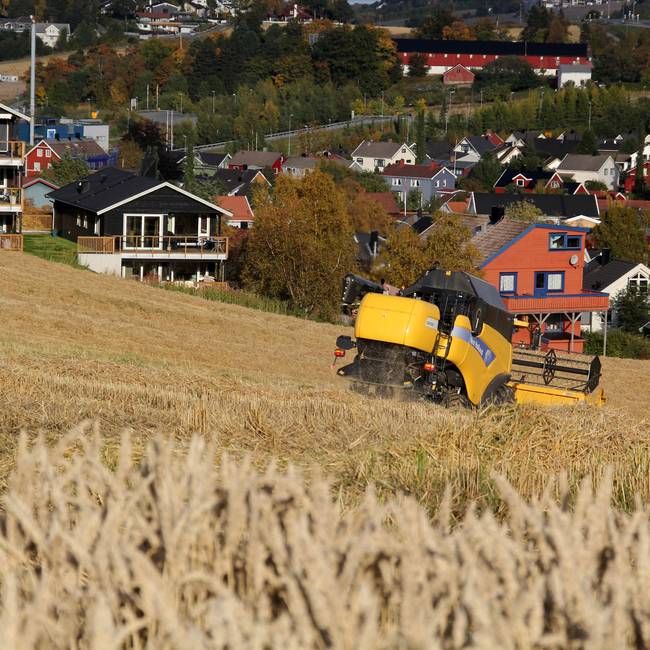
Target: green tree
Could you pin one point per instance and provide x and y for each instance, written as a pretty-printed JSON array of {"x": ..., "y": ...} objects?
[
  {"x": 523, "y": 211},
  {"x": 420, "y": 137},
  {"x": 432, "y": 26},
  {"x": 588, "y": 143},
  {"x": 632, "y": 308},
  {"x": 485, "y": 173},
  {"x": 622, "y": 231},
  {"x": 417, "y": 65},
  {"x": 302, "y": 244},
  {"x": 67, "y": 170},
  {"x": 510, "y": 71}
]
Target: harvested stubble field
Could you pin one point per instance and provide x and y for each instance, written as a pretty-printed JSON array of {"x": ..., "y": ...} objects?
[{"x": 177, "y": 555}]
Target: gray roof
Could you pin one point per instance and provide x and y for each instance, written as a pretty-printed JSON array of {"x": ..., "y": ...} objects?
[
  {"x": 493, "y": 237},
  {"x": 301, "y": 162},
  {"x": 574, "y": 67},
  {"x": 255, "y": 158},
  {"x": 481, "y": 144},
  {"x": 371, "y": 149},
  {"x": 582, "y": 162},
  {"x": 599, "y": 276}
]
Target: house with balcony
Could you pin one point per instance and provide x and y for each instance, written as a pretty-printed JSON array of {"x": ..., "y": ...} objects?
[
  {"x": 538, "y": 270},
  {"x": 137, "y": 227},
  {"x": 12, "y": 169},
  {"x": 429, "y": 181}
]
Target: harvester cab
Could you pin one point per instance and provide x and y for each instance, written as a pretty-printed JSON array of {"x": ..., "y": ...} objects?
[{"x": 448, "y": 338}]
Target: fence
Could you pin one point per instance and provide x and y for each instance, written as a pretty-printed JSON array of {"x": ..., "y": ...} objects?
[
  {"x": 156, "y": 245},
  {"x": 96, "y": 244},
  {"x": 11, "y": 242}
]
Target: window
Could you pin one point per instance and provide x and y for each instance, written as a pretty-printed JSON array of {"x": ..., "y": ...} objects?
[
  {"x": 37, "y": 167},
  {"x": 415, "y": 182},
  {"x": 444, "y": 182},
  {"x": 48, "y": 153},
  {"x": 404, "y": 150},
  {"x": 558, "y": 241},
  {"x": 379, "y": 162},
  {"x": 360, "y": 161},
  {"x": 508, "y": 282},
  {"x": 437, "y": 183},
  {"x": 555, "y": 185},
  {"x": 39, "y": 153},
  {"x": 395, "y": 181},
  {"x": 606, "y": 171},
  {"x": 639, "y": 282},
  {"x": 97, "y": 222},
  {"x": 549, "y": 282},
  {"x": 520, "y": 182},
  {"x": 611, "y": 171}
]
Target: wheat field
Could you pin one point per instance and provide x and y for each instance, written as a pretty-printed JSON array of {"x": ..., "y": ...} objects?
[{"x": 228, "y": 491}]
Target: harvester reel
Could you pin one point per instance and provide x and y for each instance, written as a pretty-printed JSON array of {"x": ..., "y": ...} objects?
[{"x": 550, "y": 363}]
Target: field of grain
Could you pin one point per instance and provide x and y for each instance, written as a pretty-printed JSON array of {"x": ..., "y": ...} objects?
[
  {"x": 77, "y": 345},
  {"x": 226, "y": 490}
]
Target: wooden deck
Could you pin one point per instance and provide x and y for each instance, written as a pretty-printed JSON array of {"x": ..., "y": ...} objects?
[{"x": 11, "y": 242}]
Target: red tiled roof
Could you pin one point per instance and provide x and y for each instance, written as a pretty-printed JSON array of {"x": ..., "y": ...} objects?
[
  {"x": 412, "y": 171},
  {"x": 386, "y": 200},
  {"x": 238, "y": 205}
]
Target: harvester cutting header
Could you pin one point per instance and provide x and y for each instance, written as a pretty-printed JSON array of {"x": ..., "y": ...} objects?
[{"x": 448, "y": 338}]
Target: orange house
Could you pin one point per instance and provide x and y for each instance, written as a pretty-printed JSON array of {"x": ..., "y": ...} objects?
[{"x": 538, "y": 270}]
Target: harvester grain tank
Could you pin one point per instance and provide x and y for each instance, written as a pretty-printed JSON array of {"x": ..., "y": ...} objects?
[{"x": 448, "y": 338}]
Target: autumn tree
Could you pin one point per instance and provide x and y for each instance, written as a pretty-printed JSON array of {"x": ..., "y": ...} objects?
[
  {"x": 365, "y": 213},
  {"x": 458, "y": 31},
  {"x": 523, "y": 211},
  {"x": 407, "y": 255},
  {"x": 67, "y": 170},
  {"x": 302, "y": 244},
  {"x": 432, "y": 26},
  {"x": 622, "y": 231}
]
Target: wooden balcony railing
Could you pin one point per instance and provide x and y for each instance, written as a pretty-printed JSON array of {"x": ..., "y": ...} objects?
[
  {"x": 12, "y": 149},
  {"x": 96, "y": 244},
  {"x": 153, "y": 245},
  {"x": 11, "y": 242}
]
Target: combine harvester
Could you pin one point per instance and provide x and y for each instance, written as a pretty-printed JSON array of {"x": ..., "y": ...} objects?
[{"x": 448, "y": 338}]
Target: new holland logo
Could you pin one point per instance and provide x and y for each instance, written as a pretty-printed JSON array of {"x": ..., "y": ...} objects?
[{"x": 479, "y": 345}]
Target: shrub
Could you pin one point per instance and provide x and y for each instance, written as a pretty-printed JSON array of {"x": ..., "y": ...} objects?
[{"x": 619, "y": 344}]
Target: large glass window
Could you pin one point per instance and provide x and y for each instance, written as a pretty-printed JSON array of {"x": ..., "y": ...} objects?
[
  {"x": 559, "y": 241},
  {"x": 142, "y": 231}
]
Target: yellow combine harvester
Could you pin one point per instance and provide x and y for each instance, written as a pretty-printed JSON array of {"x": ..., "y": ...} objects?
[{"x": 448, "y": 338}]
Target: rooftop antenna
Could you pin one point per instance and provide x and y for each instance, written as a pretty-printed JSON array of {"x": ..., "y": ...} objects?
[{"x": 32, "y": 84}]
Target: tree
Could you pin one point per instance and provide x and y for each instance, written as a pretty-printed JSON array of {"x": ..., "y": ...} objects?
[
  {"x": 189, "y": 178},
  {"x": 537, "y": 24},
  {"x": 523, "y": 211},
  {"x": 302, "y": 244},
  {"x": 405, "y": 256},
  {"x": 510, "y": 71},
  {"x": 632, "y": 308},
  {"x": 417, "y": 65},
  {"x": 458, "y": 31},
  {"x": 432, "y": 27},
  {"x": 639, "y": 180},
  {"x": 130, "y": 155},
  {"x": 420, "y": 137},
  {"x": 588, "y": 143},
  {"x": 67, "y": 170},
  {"x": 622, "y": 231},
  {"x": 485, "y": 173}
]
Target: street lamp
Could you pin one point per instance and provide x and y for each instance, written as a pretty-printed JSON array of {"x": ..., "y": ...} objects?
[
  {"x": 290, "y": 116},
  {"x": 214, "y": 93}
]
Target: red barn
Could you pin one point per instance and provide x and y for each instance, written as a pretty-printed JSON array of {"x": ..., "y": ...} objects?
[
  {"x": 441, "y": 56},
  {"x": 538, "y": 270},
  {"x": 459, "y": 75}
]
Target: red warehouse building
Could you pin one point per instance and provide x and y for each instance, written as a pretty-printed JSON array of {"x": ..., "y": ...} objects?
[
  {"x": 441, "y": 56},
  {"x": 538, "y": 270}
]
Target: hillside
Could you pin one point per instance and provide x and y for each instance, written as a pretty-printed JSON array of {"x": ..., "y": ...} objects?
[{"x": 77, "y": 345}]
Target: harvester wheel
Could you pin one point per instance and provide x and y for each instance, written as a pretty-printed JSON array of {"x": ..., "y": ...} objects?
[{"x": 504, "y": 395}]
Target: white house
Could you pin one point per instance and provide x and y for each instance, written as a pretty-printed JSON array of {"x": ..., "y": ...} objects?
[
  {"x": 375, "y": 156},
  {"x": 612, "y": 276},
  {"x": 577, "y": 73},
  {"x": 584, "y": 168},
  {"x": 50, "y": 33}
]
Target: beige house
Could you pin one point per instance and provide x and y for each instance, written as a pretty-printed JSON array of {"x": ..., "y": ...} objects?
[
  {"x": 584, "y": 168},
  {"x": 375, "y": 156}
]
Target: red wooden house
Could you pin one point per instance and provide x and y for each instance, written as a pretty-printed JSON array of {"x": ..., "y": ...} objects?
[
  {"x": 538, "y": 270},
  {"x": 459, "y": 75},
  {"x": 40, "y": 157},
  {"x": 628, "y": 184}
]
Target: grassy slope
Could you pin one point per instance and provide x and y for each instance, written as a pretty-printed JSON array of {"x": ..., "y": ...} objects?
[{"x": 76, "y": 345}]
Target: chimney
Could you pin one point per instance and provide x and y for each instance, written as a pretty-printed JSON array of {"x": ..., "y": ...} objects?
[
  {"x": 402, "y": 163},
  {"x": 496, "y": 214},
  {"x": 605, "y": 256}
]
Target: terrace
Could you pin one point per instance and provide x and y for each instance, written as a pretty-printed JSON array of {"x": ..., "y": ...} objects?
[{"x": 156, "y": 246}]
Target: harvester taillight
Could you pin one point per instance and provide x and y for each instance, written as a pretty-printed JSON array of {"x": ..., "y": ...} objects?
[
  {"x": 428, "y": 367},
  {"x": 339, "y": 353}
]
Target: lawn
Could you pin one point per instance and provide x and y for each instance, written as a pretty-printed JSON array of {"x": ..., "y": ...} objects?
[{"x": 54, "y": 249}]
